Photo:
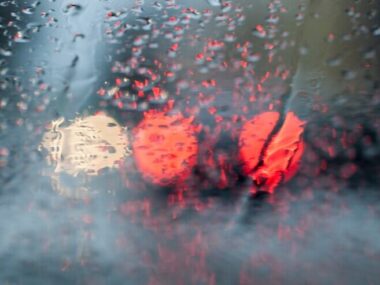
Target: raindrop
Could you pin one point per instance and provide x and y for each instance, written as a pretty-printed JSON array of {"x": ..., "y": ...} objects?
[
  {"x": 192, "y": 13},
  {"x": 369, "y": 53},
  {"x": 335, "y": 61},
  {"x": 114, "y": 16},
  {"x": 157, "y": 5},
  {"x": 33, "y": 27},
  {"x": 5, "y": 52},
  {"x": 348, "y": 74},
  {"x": 4, "y": 154},
  {"x": 28, "y": 10},
  {"x": 254, "y": 57},
  {"x": 74, "y": 61},
  {"x": 5, "y": 3},
  {"x": 259, "y": 32},
  {"x": 147, "y": 23},
  {"x": 78, "y": 36},
  {"x": 20, "y": 37},
  {"x": 376, "y": 31},
  {"x": 215, "y": 3},
  {"x": 230, "y": 37},
  {"x": 35, "y": 4},
  {"x": 137, "y": 10},
  {"x": 226, "y": 7},
  {"x": 72, "y": 9},
  {"x": 303, "y": 50}
]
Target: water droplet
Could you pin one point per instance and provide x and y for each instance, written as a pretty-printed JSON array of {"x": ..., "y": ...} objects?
[
  {"x": 215, "y": 3},
  {"x": 348, "y": 74},
  {"x": 5, "y": 52},
  {"x": 335, "y": 61},
  {"x": 73, "y": 9},
  {"x": 376, "y": 31},
  {"x": 20, "y": 37}
]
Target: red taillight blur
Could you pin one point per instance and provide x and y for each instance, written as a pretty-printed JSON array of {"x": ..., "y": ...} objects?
[
  {"x": 268, "y": 157},
  {"x": 165, "y": 148}
]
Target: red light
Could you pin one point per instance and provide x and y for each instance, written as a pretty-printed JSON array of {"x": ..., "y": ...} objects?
[
  {"x": 165, "y": 148},
  {"x": 156, "y": 91},
  {"x": 271, "y": 160}
]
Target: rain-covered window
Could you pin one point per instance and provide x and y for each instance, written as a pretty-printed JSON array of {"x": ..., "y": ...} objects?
[{"x": 189, "y": 142}]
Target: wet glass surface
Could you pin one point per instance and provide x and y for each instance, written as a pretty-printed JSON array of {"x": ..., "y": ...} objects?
[{"x": 189, "y": 142}]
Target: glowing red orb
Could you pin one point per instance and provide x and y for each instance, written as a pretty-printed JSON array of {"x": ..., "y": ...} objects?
[
  {"x": 271, "y": 158},
  {"x": 165, "y": 148}
]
